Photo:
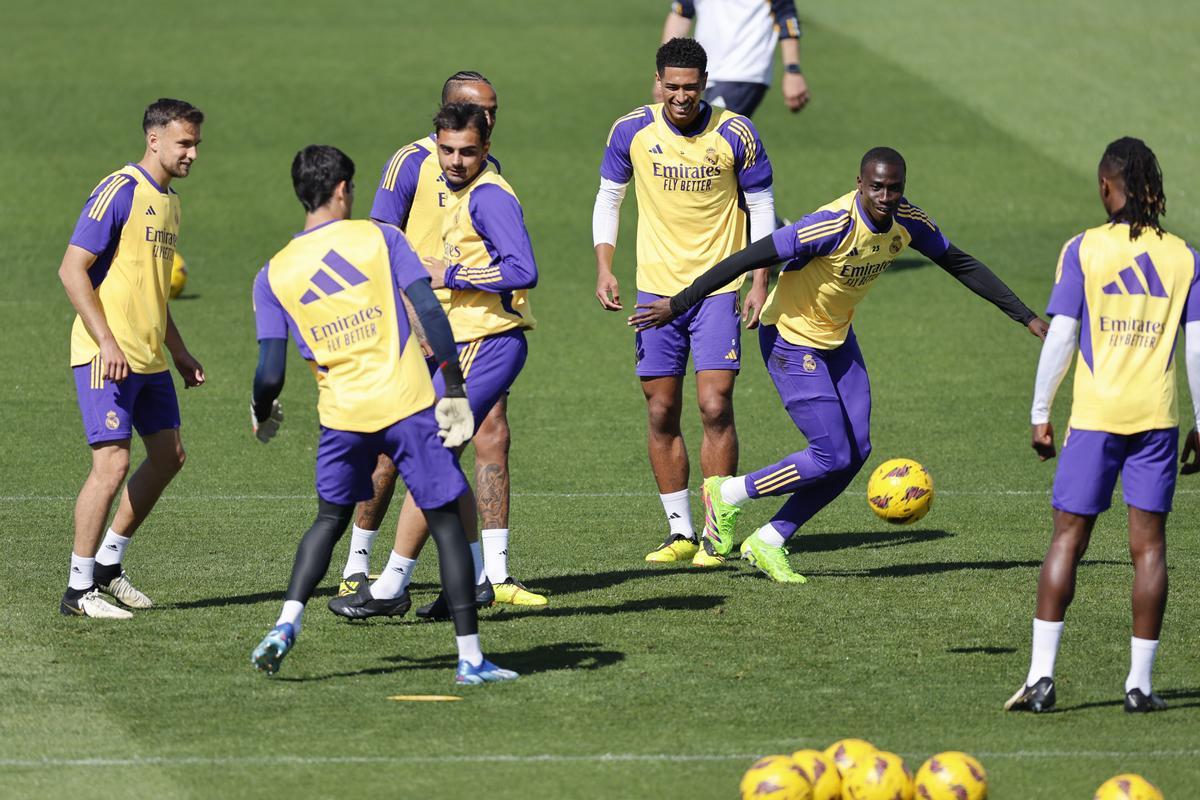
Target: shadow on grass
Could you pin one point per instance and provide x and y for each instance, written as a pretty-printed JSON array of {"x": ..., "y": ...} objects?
[
  {"x": 940, "y": 567},
  {"x": 981, "y": 650},
  {"x": 827, "y": 542},
  {"x": 543, "y": 658},
  {"x": 244, "y": 599},
  {"x": 1172, "y": 696},
  {"x": 505, "y": 613},
  {"x": 910, "y": 262}
]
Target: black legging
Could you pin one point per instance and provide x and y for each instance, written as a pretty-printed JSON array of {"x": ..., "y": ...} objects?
[{"x": 454, "y": 555}]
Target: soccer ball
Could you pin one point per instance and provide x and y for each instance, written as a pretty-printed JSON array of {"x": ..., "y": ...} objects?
[
  {"x": 848, "y": 752},
  {"x": 775, "y": 778},
  {"x": 882, "y": 776},
  {"x": 951, "y": 776},
  {"x": 822, "y": 774},
  {"x": 1128, "y": 787},
  {"x": 900, "y": 491},
  {"x": 178, "y": 276}
]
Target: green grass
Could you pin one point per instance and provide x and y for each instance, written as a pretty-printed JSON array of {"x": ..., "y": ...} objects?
[{"x": 639, "y": 682}]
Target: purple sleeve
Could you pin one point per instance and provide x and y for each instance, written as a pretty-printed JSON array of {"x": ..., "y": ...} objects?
[
  {"x": 749, "y": 156},
  {"x": 684, "y": 8},
  {"x": 1191, "y": 308},
  {"x": 398, "y": 186},
  {"x": 270, "y": 320},
  {"x": 927, "y": 237},
  {"x": 104, "y": 214},
  {"x": 617, "y": 166},
  {"x": 1067, "y": 296},
  {"x": 498, "y": 218},
  {"x": 406, "y": 266},
  {"x": 816, "y": 234}
]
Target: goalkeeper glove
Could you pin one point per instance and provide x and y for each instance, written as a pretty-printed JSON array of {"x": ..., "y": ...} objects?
[
  {"x": 455, "y": 422},
  {"x": 265, "y": 431}
]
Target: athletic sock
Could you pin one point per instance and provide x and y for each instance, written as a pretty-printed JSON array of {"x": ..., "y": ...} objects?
[
  {"x": 734, "y": 490},
  {"x": 395, "y": 577},
  {"x": 80, "y": 577},
  {"x": 112, "y": 549},
  {"x": 769, "y": 536},
  {"x": 468, "y": 649},
  {"x": 1141, "y": 661},
  {"x": 1046, "y": 636},
  {"x": 477, "y": 557},
  {"x": 678, "y": 508},
  {"x": 495, "y": 554},
  {"x": 359, "y": 559},
  {"x": 292, "y": 611}
]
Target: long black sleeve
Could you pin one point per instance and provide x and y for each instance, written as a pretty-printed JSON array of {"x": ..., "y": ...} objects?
[
  {"x": 975, "y": 275},
  {"x": 269, "y": 375},
  {"x": 437, "y": 333},
  {"x": 758, "y": 255}
]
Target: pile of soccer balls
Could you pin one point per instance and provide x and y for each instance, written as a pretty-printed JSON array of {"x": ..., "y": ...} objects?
[{"x": 854, "y": 769}]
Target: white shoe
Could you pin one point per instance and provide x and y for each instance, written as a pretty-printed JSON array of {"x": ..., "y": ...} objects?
[
  {"x": 92, "y": 605},
  {"x": 125, "y": 592}
]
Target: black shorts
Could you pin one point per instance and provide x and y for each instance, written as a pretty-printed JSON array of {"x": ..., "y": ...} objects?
[{"x": 740, "y": 98}]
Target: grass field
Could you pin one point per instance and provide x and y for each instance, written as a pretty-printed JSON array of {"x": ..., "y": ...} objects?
[{"x": 639, "y": 682}]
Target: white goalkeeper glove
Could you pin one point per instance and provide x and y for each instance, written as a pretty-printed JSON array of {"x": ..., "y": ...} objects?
[
  {"x": 265, "y": 431},
  {"x": 455, "y": 422}
]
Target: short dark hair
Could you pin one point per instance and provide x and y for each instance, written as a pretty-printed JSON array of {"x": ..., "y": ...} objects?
[
  {"x": 460, "y": 117},
  {"x": 459, "y": 78},
  {"x": 883, "y": 155},
  {"x": 681, "y": 52},
  {"x": 316, "y": 172},
  {"x": 166, "y": 110},
  {"x": 1137, "y": 166}
]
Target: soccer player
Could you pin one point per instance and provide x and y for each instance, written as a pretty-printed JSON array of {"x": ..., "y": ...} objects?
[
  {"x": 740, "y": 36},
  {"x": 832, "y": 259},
  {"x": 701, "y": 174},
  {"x": 412, "y": 196},
  {"x": 336, "y": 288},
  {"x": 1122, "y": 291},
  {"x": 117, "y": 273},
  {"x": 489, "y": 268}
]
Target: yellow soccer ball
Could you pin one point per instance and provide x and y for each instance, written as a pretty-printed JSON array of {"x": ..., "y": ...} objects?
[
  {"x": 1128, "y": 787},
  {"x": 882, "y": 776},
  {"x": 822, "y": 774},
  {"x": 775, "y": 778},
  {"x": 845, "y": 753},
  {"x": 951, "y": 776},
  {"x": 178, "y": 276},
  {"x": 900, "y": 491}
]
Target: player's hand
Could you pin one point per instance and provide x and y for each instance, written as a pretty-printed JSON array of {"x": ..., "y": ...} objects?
[
  {"x": 752, "y": 306},
  {"x": 652, "y": 315},
  {"x": 456, "y": 423},
  {"x": 437, "y": 271},
  {"x": 116, "y": 368},
  {"x": 1043, "y": 441},
  {"x": 795, "y": 91},
  {"x": 1190, "y": 457},
  {"x": 607, "y": 292},
  {"x": 265, "y": 431},
  {"x": 190, "y": 369},
  {"x": 1038, "y": 327}
]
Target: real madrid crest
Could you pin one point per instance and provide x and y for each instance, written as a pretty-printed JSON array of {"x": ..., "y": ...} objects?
[
  {"x": 710, "y": 156},
  {"x": 896, "y": 245},
  {"x": 809, "y": 364},
  {"x": 111, "y": 422}
]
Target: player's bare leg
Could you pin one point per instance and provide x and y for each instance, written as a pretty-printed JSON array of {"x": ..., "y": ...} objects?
[
  {"x": 669, "y": 462},
  {"x": 110, "y": 464},
  {"x": 371, "y": 512},
  {"x": 1148, "y": 549},
  {"x": 164, "y": 459},
  {"x": 719, "y": 448},
  {"x": 366, "y": 527}
]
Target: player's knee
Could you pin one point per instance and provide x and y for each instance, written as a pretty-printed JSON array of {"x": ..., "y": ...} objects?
[
  {"x": 177, "y": 460},
  {"x": 112, "y": 468},
  {"x": 663, "y": 415},
  {"x": 716, "y": 413}
]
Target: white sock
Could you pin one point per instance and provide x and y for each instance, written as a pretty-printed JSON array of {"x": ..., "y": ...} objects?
[
  {"x": 495, "y": 554},
  {"x": 1046, "y": 636},
  {"x": 477, "y": 557},
  {"x": 80, "y": 576},
  {"x": 112, "y": 549},
  {"x": 292, "y": 611},
  {"x": 1141, "y": 661},
  {"x": 734, "y": 491},
  {"x": 359, "y": 559},
  {"x": 769, "y": 536},
  {"x": 678, "y": 508},
  {"x": 395, "y": 577},
  {"x": 468, "y": 649}
]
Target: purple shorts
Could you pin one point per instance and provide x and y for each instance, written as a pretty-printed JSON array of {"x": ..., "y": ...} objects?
[
  {"x": 710, "y": 331},
  {"x": 1091, "y": 460},
  {"x": 346, "y": 460},
  {"x": 112, "y": 411},
  {"x": 490, "y": 366}
]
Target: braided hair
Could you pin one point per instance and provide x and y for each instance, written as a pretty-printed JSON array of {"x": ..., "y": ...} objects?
[{"x": 1144, "y": 199}]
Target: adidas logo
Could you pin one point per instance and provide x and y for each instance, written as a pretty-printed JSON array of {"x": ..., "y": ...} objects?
[
  {"x": 150, "y": 212},
  {"x": 112, "y": 547},
  {"x": 1130, "y": 283},
  {"x": 853, "y": 252},
  {"x": 732, "y": 355},
  {"x": 363, "y": 552},
  {"x": 657, "y": 149},
  {"x": 326, "y": 283},
  {"x": 674, "y": 515}
]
